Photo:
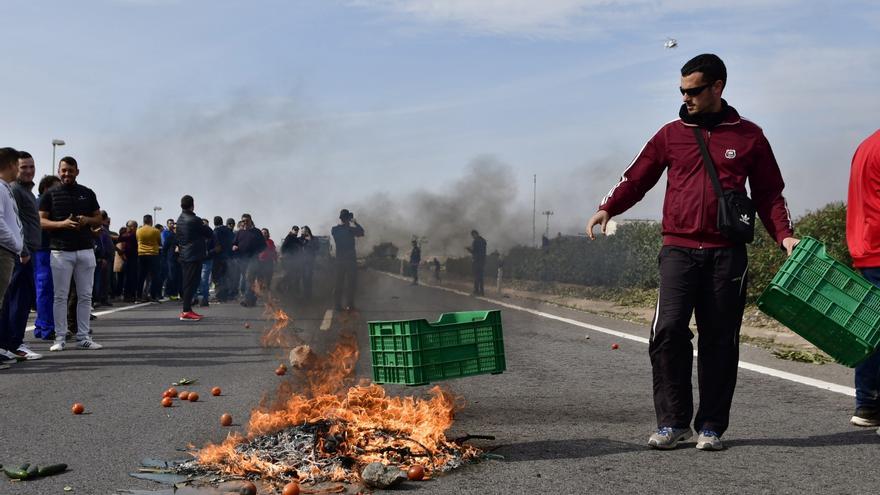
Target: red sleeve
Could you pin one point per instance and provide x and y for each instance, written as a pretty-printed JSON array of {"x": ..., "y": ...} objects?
[
  {"x": 766, "y": 184},
  {"x": 641, "y": 175}
]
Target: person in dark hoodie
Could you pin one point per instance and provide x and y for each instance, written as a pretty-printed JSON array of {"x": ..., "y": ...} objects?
[
  {"x": 291, "y": 260},
  {"x": 192, "y": 237},
  {"x": 415, "y": 258},
  {"x": 248, "y": 244},
  {"x": 702, "y": 271},
  {"x": 171, "y": 260},
  {"x": 223, "y": 237},
  {"x": 344, "y": 235}
]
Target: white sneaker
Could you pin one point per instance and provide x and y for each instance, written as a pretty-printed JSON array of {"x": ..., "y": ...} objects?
[
  {"x": 25, "y": 352},
  {"x": 57, "y": 346},
  {"x": 7, "y": 357},
  {"x": 89, "y": 344}
]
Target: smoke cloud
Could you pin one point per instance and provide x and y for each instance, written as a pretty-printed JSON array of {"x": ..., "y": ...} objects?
[{"x": 484, "y": 199}]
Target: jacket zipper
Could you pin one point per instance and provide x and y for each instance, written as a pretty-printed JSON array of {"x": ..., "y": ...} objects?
[{"x": 703, "y": 192}]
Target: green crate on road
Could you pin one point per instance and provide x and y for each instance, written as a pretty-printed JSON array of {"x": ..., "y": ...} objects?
[
  {"x": 825, "y": 302},
  {"x": 416, "y": 352}
]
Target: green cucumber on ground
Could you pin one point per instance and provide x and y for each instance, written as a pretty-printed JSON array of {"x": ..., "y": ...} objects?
[
  {"x": 16, "y": 474},
  {"x": 52, "y": 469}
]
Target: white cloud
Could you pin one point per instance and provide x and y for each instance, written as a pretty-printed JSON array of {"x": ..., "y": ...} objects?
[{"x": 547, "y": 18}]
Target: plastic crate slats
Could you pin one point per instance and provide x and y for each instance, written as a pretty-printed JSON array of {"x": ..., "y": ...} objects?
[
  {"x": 416, "y": 352},
  {"x": 825, "y": 302}
]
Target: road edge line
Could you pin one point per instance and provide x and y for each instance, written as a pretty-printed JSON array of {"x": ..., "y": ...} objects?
[{"x": 757, "y": 368}]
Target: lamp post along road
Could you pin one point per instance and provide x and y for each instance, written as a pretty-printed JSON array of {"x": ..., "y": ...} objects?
[{"x": 55, "y": 143}]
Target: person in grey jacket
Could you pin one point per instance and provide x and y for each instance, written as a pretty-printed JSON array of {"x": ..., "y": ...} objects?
[
  {"x": 21, "y": 294},
  {"x": 11, "y": 242}
]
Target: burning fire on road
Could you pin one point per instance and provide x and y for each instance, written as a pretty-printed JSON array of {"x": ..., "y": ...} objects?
[{"x": 322, "y": 426}]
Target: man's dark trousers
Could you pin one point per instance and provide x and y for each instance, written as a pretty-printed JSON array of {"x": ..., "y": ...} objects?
[
  {"x": 192, "y": 275},
  {"x": 221, "y": 278},
  {"x": 710, "y": 283},
  {"x": 20, "y": 296},
  {"x": 478, "y": 269},
  {"x": 346, "y": 282},
  {"x": 148, "y": 267},
  {"x": 251, "y": 267}
]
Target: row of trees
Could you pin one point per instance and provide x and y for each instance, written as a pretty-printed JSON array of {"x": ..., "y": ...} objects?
[{"x": 628, "y": 259}]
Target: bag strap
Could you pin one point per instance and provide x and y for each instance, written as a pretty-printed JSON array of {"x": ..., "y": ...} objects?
[{"x": 707, "y": 161}]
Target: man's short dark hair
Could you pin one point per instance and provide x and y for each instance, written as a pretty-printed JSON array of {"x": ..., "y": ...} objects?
[
  {"x": 230, "y": 221},
  {"x": 710, "y": 65},
  {"x": 247, "y": 215},
  {"x": 8, "y": 157},
  {"x": 70, "y": 161},
  {"x": 474, "y": 232},
  {"x": 24, "y": 155},
  {"x": 187, "y": 202},
  {"x": 218, "y": 221},
  {"x": 148, "y": 219},
  {"x": 47, "y": 182}
]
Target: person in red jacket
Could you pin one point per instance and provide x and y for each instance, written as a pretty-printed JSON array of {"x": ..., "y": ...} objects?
[
  {"x": 701, "y": 271},
  {"x": 863, "y": 240}
]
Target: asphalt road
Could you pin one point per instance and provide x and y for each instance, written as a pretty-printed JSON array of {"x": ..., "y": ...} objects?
[{"x": 570, "y": 415}]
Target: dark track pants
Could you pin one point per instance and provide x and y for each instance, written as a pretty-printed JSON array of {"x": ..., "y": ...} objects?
[
  {"x": 346, "y": 282},
  {"x": 192, "y": 273},
  {"x": 712, "y": 284},
  {"x": 20, "y": 295}
]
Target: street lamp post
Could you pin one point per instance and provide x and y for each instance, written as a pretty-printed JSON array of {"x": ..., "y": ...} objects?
[
  {"x": 55, "y": 143},
  {"x": 155, "y": 218}
]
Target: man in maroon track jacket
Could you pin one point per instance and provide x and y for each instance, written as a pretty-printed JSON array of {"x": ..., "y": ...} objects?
[{"x": 701, "y": 271}]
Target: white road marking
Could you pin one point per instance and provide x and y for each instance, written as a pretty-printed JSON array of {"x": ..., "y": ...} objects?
[
  {"x": 764, "y": 370},
  {"x": 107, "y": 312},
  {"x": 327, "y": 321}
]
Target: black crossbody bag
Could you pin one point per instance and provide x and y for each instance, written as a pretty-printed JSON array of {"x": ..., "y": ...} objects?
[{"x": 736, "y": 212}]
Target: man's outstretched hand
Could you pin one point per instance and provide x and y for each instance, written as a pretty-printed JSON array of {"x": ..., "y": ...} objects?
[
  {"x": 789, "y": 243},
  {"x": 601, "y": 217}
]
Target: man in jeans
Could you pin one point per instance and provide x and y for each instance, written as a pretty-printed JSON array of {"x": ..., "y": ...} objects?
[
  {"x": 702, "y": 272},
  {"x": 863, "y": 239},
  {"x": 192, "y": 236},
  {"x": 11, "y": 242},
  {"x": 148, "y": 241},
  {"x": 21, "y": 294},
  {"x": 247, "y": 245},
  {"x": 68, "y": 213}
]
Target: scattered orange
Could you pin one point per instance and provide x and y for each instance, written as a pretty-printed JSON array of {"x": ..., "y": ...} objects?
[
  {"x": 166, "y": 402},
  {"x": 247, "y": 325},
  {"x": 291, "y": 488},
  {"x": 78, "y": 408},
  {"x": 216, "y": 391},
  {"x": 183, "y": 395},
  {"x": 415, "y": 473},
  {"x": 193, "y": 397},
  {"x": 226, "y": 419},
  {"x": 615, "y": 346},
  {"x": 248, "y": 488},
  {"x": 172, "y": 392},
  {"x": 280, "y": 371}
]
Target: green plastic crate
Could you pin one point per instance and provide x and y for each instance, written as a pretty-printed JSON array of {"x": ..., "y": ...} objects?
[
  {"x": 825, "y": 302},
  {"x": 416, "y": 352}
]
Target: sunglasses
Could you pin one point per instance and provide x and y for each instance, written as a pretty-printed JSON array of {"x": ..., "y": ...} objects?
[{"x": 694, "y": 91}]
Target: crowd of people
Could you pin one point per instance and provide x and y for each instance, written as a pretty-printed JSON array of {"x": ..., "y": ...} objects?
[{"x": 60, "y": 258}]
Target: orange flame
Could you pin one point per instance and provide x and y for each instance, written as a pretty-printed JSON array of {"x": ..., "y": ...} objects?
[{"x": 371, "y": 426}]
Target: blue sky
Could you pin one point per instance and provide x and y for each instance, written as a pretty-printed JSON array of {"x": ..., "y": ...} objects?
[{"x": 293, "y": 109}]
